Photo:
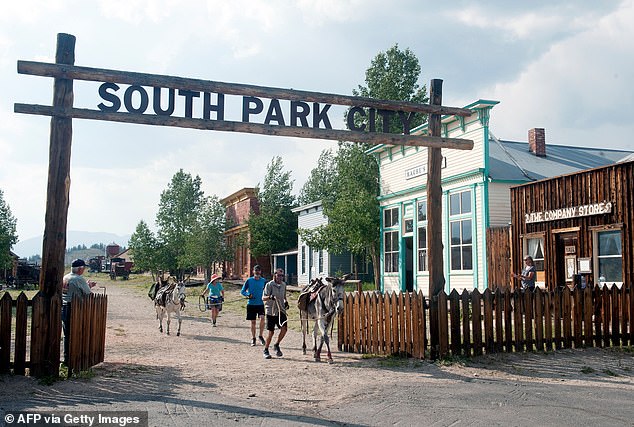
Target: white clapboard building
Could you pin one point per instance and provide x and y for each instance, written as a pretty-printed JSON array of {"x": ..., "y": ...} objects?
[
  {"x": 475, "y": 196},
  {"x": 314, "y": 262}
]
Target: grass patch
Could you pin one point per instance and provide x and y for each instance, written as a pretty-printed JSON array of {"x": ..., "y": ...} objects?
[
  {"x": 368, "y": 356},
  {"x": 63, "y": 375},
  {"x": 610, "y": 373},
  {"x": 51, "y": 379},
  {"x": 587, "y": 370},
  {"x": 451, "y": 360},
  {"x": 393, "y": 361}
]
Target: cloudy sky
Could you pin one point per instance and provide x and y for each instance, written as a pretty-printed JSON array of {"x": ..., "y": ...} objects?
[{"x": 567, "y": 66}]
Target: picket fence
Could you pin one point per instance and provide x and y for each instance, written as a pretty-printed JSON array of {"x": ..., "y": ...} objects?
[
  {"x": 24, "y": 324},
  {"x": 474, "y": 323}
]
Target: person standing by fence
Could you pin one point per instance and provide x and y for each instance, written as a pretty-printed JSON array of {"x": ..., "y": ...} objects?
[
  {"x": 274, "y": 297},
  {"x": 253, "y": 288},
  {"x": 215, "y": 298},
  {"x": 73, "y": 285},
  {"x": 527, "y": 277}
]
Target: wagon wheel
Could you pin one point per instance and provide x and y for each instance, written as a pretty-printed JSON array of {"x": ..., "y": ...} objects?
[{"x": 202, "y": 303}]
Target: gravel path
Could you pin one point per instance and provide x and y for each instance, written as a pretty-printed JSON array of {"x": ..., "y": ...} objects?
[{"x": 212, "y": 376}]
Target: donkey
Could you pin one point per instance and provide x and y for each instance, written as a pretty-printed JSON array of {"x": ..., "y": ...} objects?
[
  {"x": 170, "y": 299},
  {"x": 320, "y": 302}
]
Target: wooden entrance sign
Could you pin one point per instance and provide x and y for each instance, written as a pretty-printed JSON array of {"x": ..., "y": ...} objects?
[
  {"x": 191, "y": 90},
  {"x": 143, "y": 106}
]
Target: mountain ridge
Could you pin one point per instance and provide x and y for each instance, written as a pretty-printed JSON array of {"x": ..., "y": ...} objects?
[{"x": 33, "y": 246}]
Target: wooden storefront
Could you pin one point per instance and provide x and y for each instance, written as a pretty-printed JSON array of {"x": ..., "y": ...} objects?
[{"x": 577, "y": 227}]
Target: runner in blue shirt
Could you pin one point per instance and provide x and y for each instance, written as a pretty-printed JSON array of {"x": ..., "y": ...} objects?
[{"x": 252, "y": 289}]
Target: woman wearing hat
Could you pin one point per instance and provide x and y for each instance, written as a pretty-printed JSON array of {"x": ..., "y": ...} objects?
[{"x": 215, "y": 298}]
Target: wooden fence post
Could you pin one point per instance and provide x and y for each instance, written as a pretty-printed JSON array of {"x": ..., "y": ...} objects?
[
  {"x": 5, "y": 333},
  {"x": 54, "y": 242}
]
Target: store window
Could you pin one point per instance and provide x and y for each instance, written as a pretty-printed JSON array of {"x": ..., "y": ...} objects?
[
  {"x": 422, "y": 236},
  {"x": 391, "y": 251},
  {"x": 390, "y": 218},
  {"x": 535, "y": 248},
  {"x": 390, "y": 240},
  {"x": 461, "y": 231},
  {"x": 609, "y": 257}
]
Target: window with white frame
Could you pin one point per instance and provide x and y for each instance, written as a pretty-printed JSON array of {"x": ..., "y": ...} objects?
[
  {"x": 422, "y": 235},
  {"x": 535, "y": 248},
  {"x": 609, "y": 257},
  {"x": 321, "y": 260},
  {"x": 303, "y": 260},
  {"x": 390, "y": 240},
  {"x": 461, "y": 231}
]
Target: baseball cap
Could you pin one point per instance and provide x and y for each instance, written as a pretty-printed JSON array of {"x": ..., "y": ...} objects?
[{"x": 78, "y": 263}]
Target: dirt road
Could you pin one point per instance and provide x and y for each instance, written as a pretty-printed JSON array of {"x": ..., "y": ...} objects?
[{"x": 212, "y": 376}]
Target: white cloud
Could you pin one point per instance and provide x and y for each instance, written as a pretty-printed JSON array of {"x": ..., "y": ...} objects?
[
  {"x": 317, "y": 12},
  {"x": 138, "y": 11},
  {"x": 580, "y": 84},
  {"x": 527, "y": 24}
]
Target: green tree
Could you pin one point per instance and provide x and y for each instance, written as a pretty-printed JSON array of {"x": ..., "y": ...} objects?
[
  {"x": 207, "y": 246},
  {"x": 274, "y": 228},
  {"x": 352, "y": 207},
  {"x": 393, "y": 75},
  {"x": 176, "y": 221},
  {"x": 8, "y": 234},
  {"x": 144, "y": 248},
  {"x": 319, "y": 185},
  {"x": 353, "y": 212}
]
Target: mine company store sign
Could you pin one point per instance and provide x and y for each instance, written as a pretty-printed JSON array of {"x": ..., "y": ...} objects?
[{"x": 600, "y": 208}]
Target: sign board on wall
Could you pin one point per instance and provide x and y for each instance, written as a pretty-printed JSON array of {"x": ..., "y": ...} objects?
[
  {"x": 566, "y": 213},
  {"x": 421, "y": 170}
]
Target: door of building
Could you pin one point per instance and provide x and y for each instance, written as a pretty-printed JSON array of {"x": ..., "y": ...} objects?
[
  {"x": 409, "y": 263},
  {"x": 566, "y": 253}
]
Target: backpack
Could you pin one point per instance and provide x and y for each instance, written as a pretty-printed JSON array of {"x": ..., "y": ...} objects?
[{"x": 152, "y": 292}]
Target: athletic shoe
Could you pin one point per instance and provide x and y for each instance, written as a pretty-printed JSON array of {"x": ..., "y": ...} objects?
[
  {"x": 261, "y": 340},
  {"x": 278, "y": 352},
  {"x": 253, "y": 342},
  {"x": 266, "y": 353}
]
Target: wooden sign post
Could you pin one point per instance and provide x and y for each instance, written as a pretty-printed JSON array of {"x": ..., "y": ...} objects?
[
  {"x": 211, "y": 98},
  {"x": 434, "y": 221}
]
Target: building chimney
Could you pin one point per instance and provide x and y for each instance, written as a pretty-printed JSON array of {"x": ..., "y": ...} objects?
[{"x": 537, "y": 141}]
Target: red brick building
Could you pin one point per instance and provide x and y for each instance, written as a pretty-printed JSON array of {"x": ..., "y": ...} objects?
[{"x": 239, "y": 206}]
